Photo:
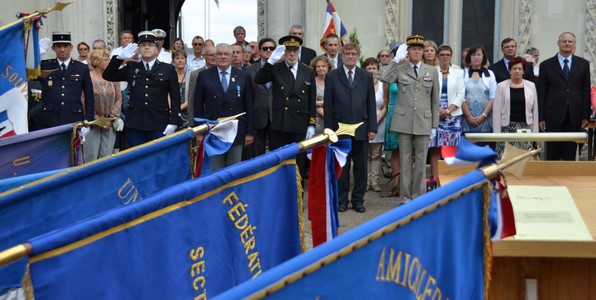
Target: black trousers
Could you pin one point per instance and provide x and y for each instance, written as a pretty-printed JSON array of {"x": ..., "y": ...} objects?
[
  {"x": 358, "y": 155},
  {"x": 278, "y": 139},
  {"x": 562, "y": 150}
]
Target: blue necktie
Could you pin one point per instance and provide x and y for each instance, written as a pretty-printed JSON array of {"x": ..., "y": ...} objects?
[
  {"x": 566, "y": 68},
  {"x": 63, "y": 67},
  {"x": 224, "y": 81}
]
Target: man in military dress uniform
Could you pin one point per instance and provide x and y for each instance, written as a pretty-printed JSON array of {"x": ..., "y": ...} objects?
[
  {"x": 294, "y": 96},
  {"x": 62, "y": 89},
  {"x": 416, "y": 114},
  {"x": 149, "y": 115}
]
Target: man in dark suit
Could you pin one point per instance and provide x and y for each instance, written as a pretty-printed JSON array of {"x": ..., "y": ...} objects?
[
  {"x": 294, "y": 96},
  {"x": 262, "y": 102},
  {"x": 350, "y": 98},
  {"x": 225, "y": 91},
  {"x": 305, "y": 54},
  {"x": 149, "y": 113},
  {"x": 564, "y": 96},
  {"x": 501, "y": 67},
  {"x": 63, "y": 87},
  {"x": 333, "y": 48}
]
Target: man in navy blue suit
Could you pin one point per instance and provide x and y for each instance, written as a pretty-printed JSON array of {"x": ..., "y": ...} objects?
[
  {"x": 225, "y": 91},
  {"x": 350, "y": 99},
  {"x": 564, "y": 96},
  {"x": 63, "y": 87}
]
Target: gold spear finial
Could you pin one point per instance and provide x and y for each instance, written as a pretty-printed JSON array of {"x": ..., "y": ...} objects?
[
  {"x": 60, "y": 5},
  {"x": 329, "y": 136}
]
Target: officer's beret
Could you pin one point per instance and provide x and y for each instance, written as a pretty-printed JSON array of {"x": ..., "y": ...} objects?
[
  {"x": 146, "y": 36},
  {"x": 61, "y": 37},
  {"x": 160, "y": 34},
  {"x": 415, "y": 40},
  {"x": 291, "y": 41}
]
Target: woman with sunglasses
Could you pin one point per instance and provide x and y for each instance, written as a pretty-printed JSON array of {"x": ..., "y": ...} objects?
[{"x": 83, "y": 50}]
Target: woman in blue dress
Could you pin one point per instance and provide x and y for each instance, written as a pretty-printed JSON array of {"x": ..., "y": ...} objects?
[{"x": 481, "y": 86}]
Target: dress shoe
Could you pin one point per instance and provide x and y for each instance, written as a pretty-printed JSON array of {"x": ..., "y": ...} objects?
[
  {"x": 359, "y": 208},
  {"x": 342, "y": 207}
]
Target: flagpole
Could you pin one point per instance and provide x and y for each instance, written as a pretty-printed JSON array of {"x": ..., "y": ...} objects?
[
  {"x": 493, "y": 171},
  {"x": 60, "y": 5},
  {"x": 329, "y": 136}
]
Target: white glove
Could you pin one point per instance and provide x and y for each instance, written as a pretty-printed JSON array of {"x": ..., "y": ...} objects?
[
  {"x": 310, "y": 132},
  {"x": 401, "y": 53},
  {"x": 433, "y": 132},
  {"x": 277, "y": 54},
  {"x": 118, "y": 124},
  {"x": 170, "y": 129},
  {"x": 128, "y": 52},
  {"x": 83, "y": 133},
  {"x": 44, "y": 45}
]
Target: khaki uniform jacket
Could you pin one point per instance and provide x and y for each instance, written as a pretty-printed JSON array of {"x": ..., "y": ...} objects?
[{"x": 417, "y": 106}]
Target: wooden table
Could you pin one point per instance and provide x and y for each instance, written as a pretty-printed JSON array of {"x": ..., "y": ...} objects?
[{"x": 563, "y": 269}]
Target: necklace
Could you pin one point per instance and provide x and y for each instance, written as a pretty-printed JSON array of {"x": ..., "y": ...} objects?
[{"x": 516, "y": 85}]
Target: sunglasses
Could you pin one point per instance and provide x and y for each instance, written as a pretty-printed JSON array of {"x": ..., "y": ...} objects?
[
  {"x": 268, "y": 48},
  {"x": 197, "y": 44}
]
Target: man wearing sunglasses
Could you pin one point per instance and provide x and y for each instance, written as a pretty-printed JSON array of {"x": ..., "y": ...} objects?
[
  {"x": 196, "y": 60},
  {"x": 262, "y": 99}
]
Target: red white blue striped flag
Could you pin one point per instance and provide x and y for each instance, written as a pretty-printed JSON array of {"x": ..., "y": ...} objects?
[
  {"x": 333, "y": 25},
  {"x": 325, "y": 170}
]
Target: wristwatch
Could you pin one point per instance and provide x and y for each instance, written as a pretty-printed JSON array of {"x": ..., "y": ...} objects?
[{"x": 485, "y": 115}]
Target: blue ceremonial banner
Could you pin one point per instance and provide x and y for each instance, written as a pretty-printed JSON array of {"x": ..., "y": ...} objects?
[
  {"x": 191, "y": 241},
  {"x": 435, "y": 247},
  {"x": 66, "y": 198},
  {"x": 35, "y": 152},
  {"x": 13, "y": 81}
]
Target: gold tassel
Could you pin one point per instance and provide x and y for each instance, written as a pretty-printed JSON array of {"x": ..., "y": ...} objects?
[
  {"x": 487, "y": 243},
  {"x": 300, "y": 209},
  {"x": 27, "y": 285}
]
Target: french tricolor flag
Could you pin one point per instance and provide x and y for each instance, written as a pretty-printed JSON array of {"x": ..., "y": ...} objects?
[
  {"x": 467, "y": 154},
  {"x": 217, "y": 141},
  {"x": 325, "y": 170},
  {"x": 333, "y": 25}
]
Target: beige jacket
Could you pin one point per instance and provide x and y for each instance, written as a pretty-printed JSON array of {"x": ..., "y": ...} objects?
[{"x": 502, "y": 105}]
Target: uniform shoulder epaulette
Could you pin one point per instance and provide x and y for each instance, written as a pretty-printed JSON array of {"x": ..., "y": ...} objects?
[{"x": 51, "y": 60}]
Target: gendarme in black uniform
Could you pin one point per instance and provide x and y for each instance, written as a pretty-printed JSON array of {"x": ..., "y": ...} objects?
[
  {"x": 64, "y": 89},
  {"x": 148, "y": 109}
]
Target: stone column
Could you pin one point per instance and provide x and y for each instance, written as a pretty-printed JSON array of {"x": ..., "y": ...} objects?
[
  {"x": 590, "y": 37},
  {"x": 279, "y": 16}
]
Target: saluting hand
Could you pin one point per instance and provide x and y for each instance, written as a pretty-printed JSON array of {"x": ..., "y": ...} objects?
[
  {"x": 44, "y": 45},
  {"x": 277, "y": 54},
  {"x": 128, "y": 52},
  {"x": 401, "y": 53}
]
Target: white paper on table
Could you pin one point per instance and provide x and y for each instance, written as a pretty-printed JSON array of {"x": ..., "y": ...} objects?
[{"x": 546, "y": 213}]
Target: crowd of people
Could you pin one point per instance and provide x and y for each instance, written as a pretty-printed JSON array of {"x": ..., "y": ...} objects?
[{"x": 412, "y": 98}]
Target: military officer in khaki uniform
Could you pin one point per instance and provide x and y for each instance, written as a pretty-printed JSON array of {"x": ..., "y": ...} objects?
[{"x": 415, "y": 116}]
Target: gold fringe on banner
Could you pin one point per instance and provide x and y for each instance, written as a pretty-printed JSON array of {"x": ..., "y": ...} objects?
[
  {"x": 27, "y": 285},
  {"x": 300, "y": 191},
  {"x": 487, "y": 243}
]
